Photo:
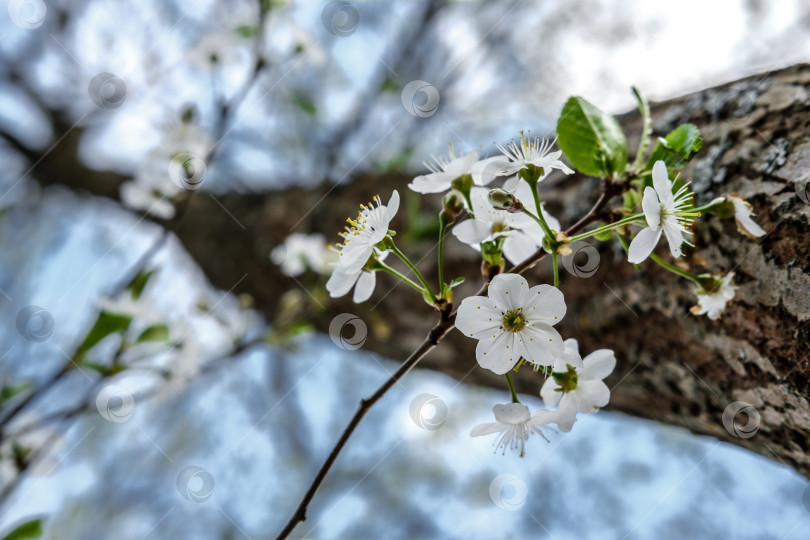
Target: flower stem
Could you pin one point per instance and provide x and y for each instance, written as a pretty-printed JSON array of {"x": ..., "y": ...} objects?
[
  {"x": 385, "y": 268},
  {"x": 511, "y": 388},
  {"x": 608, "y": 227},
  {"x": 675, "y": 270},
  {"x": 442, "y": 227},
  {"x": 556, "y": 268},
  {"x": 539, "y": 217},
  {"x": 390, "y": 245}
]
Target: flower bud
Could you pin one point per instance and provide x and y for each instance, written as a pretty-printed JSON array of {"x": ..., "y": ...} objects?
[
  {"x": 452, "y": 206},
  {"x": 503, "y": 200}
]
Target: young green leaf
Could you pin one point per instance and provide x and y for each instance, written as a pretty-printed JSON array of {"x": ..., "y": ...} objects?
[
  {"x": 137, "y": 285},
  {"x": 27, "y": 531},
  {"x": 677, "y": 147},
  {"x": 106, "y": 324},
  {"x": 456, "y": 282},
  {"x": 9, "y": 391},
  {"x": 303, "y": 102},
  {"x": 247, "y": 31},
  {"x": 156, "y": 332},
  {"x": 592, "y": 140}
]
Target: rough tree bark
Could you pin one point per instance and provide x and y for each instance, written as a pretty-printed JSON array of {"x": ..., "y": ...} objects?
[{"x": 673, "y": 367}]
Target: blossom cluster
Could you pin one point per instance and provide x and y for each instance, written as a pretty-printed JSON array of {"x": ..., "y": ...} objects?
[{"x": 514, "y": 323}]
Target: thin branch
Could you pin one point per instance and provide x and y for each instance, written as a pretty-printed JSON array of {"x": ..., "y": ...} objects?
[{"x": 434, "y": 337}]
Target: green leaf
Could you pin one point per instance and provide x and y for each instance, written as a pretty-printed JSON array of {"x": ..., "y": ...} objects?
[
  {"x": 247, "y": 31},
  {"x": 646, "y": 129},
  {"x": 138, "y": 284},
  {"x": 389, "y": 85},
  {"x": 106, "y": 324},
  {"x": 591, "y": 140},
  {"x": 677, "y": 147},
  {"x": 156, "y": 332},
  {"x": 27, "y": 531},
  {"x": 304, "y": 103},
  {"x": 457, "y": 281},
  {"x": 9, "y": 391},
  {"x": 604, "y": 236}
]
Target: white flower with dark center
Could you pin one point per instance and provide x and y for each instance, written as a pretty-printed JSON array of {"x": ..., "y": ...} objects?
[
  {"x": 523, "y": 236},
  {"x": 515, "y": 424},
  {"x": 535, "y": 153},
  {"x": 665, "y": 213},
  {"x": 514, "y": 322},
  {"x": 443, "y": 172},
  {"x": 576, "y": 384},
  {"x": 300, "y": 252},
  {"x": 363, "y": 281},
  {"x": 364, "y": 232},
  {"x": 713, "y": 302}
]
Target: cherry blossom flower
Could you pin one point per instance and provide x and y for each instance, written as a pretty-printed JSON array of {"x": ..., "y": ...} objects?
[
  {"x": 713, "y": 302},
  {"x": 363, "y": 281},
  {"x": 665, "y": 213},
  {"x": 534, "y": 153},
  {"x": 216, "y": 49},
  {"x": 443, "y": 172},
  {"x": 300, "y": 252},
  {"x": 576, "y": 383},
  {"x": 364, "y": 232},
  {"x": 514, "y": 322},
  {"x": 515, "y": 424},
  {"x": 523, "y": 235}
]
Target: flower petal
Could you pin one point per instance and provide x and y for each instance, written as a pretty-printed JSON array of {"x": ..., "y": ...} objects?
[
  {"x": 541, "y": 344},
  {"x": 508, "y": 291},
  {"x": 393, "y": 205},
  {"x": 642, "y": 245},
  {"x": 497, "y": 354},
  {"x": 364, "y": 287},
  {"x": 663, "y": 187},
  {"x": 472, "y": 231},
  {"x": 431, "y": 183},
  {"x": 341, "y": 282},
  {"x": 541, "y": 417},
  {"x": 486, "y": 429},
  {"x": 591, "y": 395},
  {"x": 485, "y": 171},
  {"x": 598, "y": 365},
  {"x": 547, "y": 392},
  {"x": 674, "y": 236},
  {"x": 477, "y": 318},
  {"x": 567, "y": 411},
  {"x": 545, "y": 304},
  {"x": 652, "y": 208},
  {"x": 518, "y": 247}
]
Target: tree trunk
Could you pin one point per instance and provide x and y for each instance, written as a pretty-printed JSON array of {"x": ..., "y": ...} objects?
[{"x": 672, "y": 366}]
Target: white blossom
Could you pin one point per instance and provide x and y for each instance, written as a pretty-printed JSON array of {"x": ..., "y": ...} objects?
[
  {"x": 576, "y": 384},
  {"x": 364, "y": 232},
  {"x": 535, "y": 152},
  {"x": 713, "y": 302},
  {"x": 515, "y": 424},
  {"x": 214, "y": 50},
  {"x": 523, "y": 235},
  {"x": 443, "y": 172},
  {"x": 513, "y": 322},
  {"x": 300, "y": 252},
  {"x": 665, "y": 213},
  {"x": 341, "y": 282}
]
